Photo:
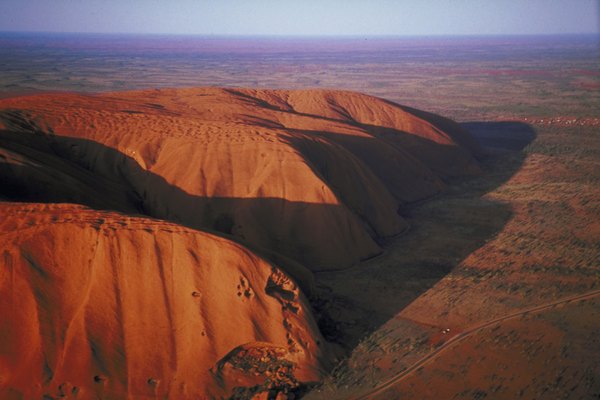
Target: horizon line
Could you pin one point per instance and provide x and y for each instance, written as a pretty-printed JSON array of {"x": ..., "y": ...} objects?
[{"x": 306, "y": 36}]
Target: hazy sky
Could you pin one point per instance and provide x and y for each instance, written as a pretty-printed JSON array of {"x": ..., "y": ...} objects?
[{"x": 303, "y": 17}]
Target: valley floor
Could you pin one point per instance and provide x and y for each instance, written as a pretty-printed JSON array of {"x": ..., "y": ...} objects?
[{"x": 523, "y": 235}]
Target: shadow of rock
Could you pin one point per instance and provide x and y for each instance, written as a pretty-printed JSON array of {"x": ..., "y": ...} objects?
[
  {"x": 30, "y": 171},
  {"x": 505, "y": 135},
  {"x": 51, "y": 168},
  {"x": 444, "y": 231}
]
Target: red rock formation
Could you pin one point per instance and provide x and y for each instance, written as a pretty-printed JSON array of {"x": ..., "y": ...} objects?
[
  {"x": 111, "y": 304},
  {"x": 314, "y": 175},
  {"x": 97, "y": 304}
]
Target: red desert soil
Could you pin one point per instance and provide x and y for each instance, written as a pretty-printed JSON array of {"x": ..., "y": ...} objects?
[
  {"x": 110, "y": 302},
  {"x": 315, "y": 175},
  {"x": 498, "y": 297}
]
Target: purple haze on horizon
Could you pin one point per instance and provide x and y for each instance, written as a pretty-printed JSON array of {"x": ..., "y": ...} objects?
[{"x": 306, "y": 18}]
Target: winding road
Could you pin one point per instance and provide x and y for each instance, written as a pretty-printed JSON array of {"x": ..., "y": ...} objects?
[{"x": 379, "y": 389}]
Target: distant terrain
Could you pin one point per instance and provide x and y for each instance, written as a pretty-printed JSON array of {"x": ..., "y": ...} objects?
[
  {"x": 442, "y": 248},
  {"x": 458, "y": 77}
]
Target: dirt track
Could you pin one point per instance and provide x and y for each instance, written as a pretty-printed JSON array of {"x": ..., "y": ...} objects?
[{"x": 379, "y": 389}]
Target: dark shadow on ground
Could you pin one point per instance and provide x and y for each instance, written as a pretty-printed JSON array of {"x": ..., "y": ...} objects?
[
  {"x": 444, "y": 230},
  {"x": 506, "y": 135}
]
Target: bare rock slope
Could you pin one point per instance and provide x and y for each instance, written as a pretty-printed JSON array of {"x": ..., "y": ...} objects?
[
  {"x": 126, "y": 218},
  {"x": 314, "y": 175},
  {"x": 97, "y": 304}
]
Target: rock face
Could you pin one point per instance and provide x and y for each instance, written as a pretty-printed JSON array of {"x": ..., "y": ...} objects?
[
  {"x": 97, "y": 304},
  {"x": 100, "y": 299},
  {"x": 314, "y": 175}
]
